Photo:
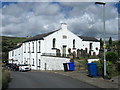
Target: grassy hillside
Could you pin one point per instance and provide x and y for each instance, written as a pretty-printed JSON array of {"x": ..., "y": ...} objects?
[
  {"x": 15, "y": 40},
  {"x": 8, "y": 43}
]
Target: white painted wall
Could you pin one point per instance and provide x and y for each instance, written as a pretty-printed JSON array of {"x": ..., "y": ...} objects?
[
  {"x": 48, "y": 41},
  {"x": 91, "y": 60},
  {"x": 53, "y": 63},
  {"x": 86, "y": 44}
]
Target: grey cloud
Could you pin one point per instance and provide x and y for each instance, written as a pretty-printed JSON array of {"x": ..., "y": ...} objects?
[{"x": 30, "y": 18}]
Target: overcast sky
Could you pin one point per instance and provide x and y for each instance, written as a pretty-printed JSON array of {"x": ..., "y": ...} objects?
[{"x": 83, "y": 18}]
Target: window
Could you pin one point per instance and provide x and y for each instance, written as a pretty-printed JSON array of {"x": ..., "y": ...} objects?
[
  {"x": 29, "y": 48},
  {"x": 24, "y": 60},
  {"x": 33, "y": 62},
  {"x": 12, "y": 53},
  {"x": 73, "y": 43},
  {"x": 64, "y": 37},
  {"x": 33, "y": 47},
  {"x": 39, "y": 63},
  {"x": 39, "y": 47},
  {"x": 54, "y": 42},
  {"x": 90, "y": 46},
  {"x": 25, "y": 48}
]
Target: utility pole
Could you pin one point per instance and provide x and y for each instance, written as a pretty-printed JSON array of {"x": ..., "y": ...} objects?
[{"x": 102, "y": 3}]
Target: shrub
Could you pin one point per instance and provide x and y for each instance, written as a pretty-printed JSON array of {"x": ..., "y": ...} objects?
[
  {"x": 111, "y": 56},
  {"x": 118, "y": 67},
  {"x": 5, "y": 78},
  {"x": 93, "y": 57},
  {"x": 111, "y": 69},
  {"x": 81, "y": 58}
]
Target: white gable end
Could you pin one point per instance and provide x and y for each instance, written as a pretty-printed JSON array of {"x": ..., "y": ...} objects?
[{"x": 63, "y": 37}]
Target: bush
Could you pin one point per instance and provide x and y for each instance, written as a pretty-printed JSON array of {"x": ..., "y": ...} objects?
[
  {"x": 5, "y": 78},
  {"x": 111, "y": 56},
  {"x": 111, "y": 69},
  {"x": 118, "y": 67},
  {"x": 93, "y": 57},
  {"x": 81, "y": 58}
]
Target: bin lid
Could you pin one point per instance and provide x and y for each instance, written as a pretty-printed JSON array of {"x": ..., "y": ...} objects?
[{"x": 91, "y": 63}]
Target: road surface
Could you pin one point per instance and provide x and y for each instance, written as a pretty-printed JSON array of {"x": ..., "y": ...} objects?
[{"x": 44, "y": 80}]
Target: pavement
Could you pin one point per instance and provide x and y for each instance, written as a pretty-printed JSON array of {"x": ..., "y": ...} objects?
[{"x": 82, "y": 75}]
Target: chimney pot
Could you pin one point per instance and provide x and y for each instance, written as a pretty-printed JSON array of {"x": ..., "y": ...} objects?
[{"x": 64, "y": 26}]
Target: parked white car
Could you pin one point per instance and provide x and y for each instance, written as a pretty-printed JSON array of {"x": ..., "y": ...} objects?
[{"x": 24, "y": 67}]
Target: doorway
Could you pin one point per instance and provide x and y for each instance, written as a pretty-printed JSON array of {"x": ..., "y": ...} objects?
[{"x": 64, "y": 50}]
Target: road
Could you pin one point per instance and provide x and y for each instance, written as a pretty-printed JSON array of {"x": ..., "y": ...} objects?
[{"x": 44, "y": 80}]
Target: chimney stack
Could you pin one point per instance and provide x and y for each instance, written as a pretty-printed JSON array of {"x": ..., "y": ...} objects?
[{"x": 64, "y": 26}]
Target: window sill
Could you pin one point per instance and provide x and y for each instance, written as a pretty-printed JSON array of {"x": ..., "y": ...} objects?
[
  {"x": 54, "y": 48},
  {"x": 74, "y": 48}
]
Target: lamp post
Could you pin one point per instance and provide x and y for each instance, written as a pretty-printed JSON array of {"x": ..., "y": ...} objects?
[{"x": 102, "y": 3}]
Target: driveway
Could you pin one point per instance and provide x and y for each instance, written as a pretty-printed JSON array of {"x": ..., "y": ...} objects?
[{"x": 44, "y": 80}]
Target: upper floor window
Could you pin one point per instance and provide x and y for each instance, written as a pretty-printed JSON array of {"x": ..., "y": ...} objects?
[
  {"x": 73, "y": 43},
  {"x": 33, "y": 46},
  {"x": 39, "y": 46},
  {"x": 29, "y": 48},
  {"x": 90, "y": 46},
  {"x": 12, "y": 53},
  {"x": 64, "y": 37},
  {"x": 54, "y": 42},
  {"x": 24, "y": 47}
]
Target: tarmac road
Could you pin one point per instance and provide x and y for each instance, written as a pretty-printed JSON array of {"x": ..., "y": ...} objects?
[{"x": 44, "y": 80}]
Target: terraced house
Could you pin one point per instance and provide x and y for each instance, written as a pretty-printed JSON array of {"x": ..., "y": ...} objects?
[{"x": 50, "y": 50}]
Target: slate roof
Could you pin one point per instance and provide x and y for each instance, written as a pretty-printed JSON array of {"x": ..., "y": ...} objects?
[
  {"x": 39, "y": 37},
  {"x": 17, "y": 46},
  {"x": 84, "y": 38}
]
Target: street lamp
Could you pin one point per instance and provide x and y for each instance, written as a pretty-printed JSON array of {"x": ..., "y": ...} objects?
[{"x": 102, "y": 3}]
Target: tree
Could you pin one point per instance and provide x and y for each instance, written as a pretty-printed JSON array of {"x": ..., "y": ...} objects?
[
  {"x": 101, "y": 42},
  {"x": 110, "y": 41},
  {"x": 112, "y": 56}
]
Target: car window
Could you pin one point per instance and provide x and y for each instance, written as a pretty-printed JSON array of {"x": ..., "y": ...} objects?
[{"x": 24, "y": 65}]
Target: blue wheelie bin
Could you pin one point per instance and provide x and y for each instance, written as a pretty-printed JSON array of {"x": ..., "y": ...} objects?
[
  {"x": 71, "y": 66},
  {"x": 92, "y": 69}
]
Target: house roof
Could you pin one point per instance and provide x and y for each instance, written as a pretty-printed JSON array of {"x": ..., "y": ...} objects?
[
  {"x": 84, "y": 38},
  {"x": 17, "y": 46},
  {"x": 39, "y": 37}
]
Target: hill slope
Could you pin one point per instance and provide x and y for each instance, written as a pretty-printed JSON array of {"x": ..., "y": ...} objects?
[{"x": 8, "y": 43}]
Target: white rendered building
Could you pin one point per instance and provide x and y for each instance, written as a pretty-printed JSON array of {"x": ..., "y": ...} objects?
[{"x": 40, "y": 51}]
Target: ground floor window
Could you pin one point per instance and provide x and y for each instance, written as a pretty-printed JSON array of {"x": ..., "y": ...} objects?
[{"x": 33, "y": 62}]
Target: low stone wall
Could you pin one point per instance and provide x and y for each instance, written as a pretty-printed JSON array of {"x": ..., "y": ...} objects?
[{"x": 53, "y": 63}]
